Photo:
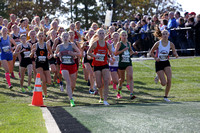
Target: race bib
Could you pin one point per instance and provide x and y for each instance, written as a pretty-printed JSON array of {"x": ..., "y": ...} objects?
[
  {"x": 66, "y": 59},
  {"x": 125, "y": 58},
  {"x": 42, "y": 58},
  {"x": 116, "y": 58},
  {"x": 101, "y": 57},
  {"x": 163, "y": 56},
  {"x": 27, "y": 54},
  {"x": 6, "y": 48}
]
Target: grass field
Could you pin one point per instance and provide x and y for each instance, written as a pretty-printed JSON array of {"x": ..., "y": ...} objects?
[{"x": 17, "y": 116}]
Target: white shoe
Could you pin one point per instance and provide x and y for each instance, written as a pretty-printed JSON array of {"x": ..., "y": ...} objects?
[
  {"x": 61, "y": 88},
  {"x": 106, "y": 103},
  {"x": 166, "y": 99},
  {"x": 156, "y": 79}
]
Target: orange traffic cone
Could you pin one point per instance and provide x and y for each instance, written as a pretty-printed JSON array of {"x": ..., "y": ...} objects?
[{"x": 37, "y": 99}]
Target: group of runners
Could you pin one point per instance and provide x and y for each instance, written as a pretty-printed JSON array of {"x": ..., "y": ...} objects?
[{"x": 105, "y": 55}]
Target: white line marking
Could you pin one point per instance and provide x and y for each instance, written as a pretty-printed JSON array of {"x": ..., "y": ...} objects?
[{"x": 50, "y": 123}]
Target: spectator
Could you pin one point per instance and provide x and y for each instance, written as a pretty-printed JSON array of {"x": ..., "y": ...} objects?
[
  {"x": 186, "y": 16},
  {"x": 197, "y": 35},
  {"x": 177, "y": 16},
  {"x": 192, "y": 14},
  {"x": 132, "y": 27},
  {"x": 190, "y": 33},
  {"x": 171, "y": 25},
  {"x": 164, "y": 25},
  {"x": 181, "y": 38},
  {"x": 138, "y": 18},
  {"x": 155, "y": 19},
  {"x": 181, "y": 22}
]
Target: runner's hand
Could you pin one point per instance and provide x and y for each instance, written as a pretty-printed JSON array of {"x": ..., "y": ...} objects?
[{"x": 157, "y": 59}]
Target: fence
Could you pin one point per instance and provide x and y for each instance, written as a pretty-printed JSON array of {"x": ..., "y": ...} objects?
[{"x": 183, "y": 39}]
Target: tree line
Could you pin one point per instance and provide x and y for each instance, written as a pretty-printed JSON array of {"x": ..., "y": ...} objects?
[{"x": 86, "y": 11}]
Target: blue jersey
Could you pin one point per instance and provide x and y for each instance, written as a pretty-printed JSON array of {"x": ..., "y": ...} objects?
[{"x": 6, "y": 53}]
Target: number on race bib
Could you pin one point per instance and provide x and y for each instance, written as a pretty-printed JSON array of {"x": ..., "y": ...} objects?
[
  {"x": 6, "y": 49},
  {"x": 42, "y": 58},
  {"x": 163, "y": 56},
  {"x": 66, "y": 59},
  {"x": 116, "y": 58},
  {"x": 101, "y": 57},
  {"x": 27, "y": 54},
  {"x": 125, "y": 58}
]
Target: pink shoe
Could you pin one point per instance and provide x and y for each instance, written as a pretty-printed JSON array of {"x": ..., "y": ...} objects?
[
  {"x": 111, "y": 82},
  {"x": 128, "y": 87},
  {"x": 12, "y": 75},
  {"x": 114, "y": 86},
  {"x": 119, "y": 96}
]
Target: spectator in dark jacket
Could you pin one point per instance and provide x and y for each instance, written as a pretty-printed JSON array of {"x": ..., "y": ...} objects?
[
  {"x": 190, "y": 33},
  {"x": 197, "y": 35}
]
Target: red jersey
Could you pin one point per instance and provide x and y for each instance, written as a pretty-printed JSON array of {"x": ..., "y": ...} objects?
[{"x": 102, "y": 52}]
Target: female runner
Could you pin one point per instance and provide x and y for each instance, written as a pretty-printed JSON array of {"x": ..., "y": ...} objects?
[
  {"x": 6, "y": 54},
  {"x": 113, "y": 64},
  {"x": 100, "y": 62},
  {"x": 66, "y": 52},
  {"x": 24, "y": 49},
  {"x": 162, "y": 64},
  {"x": 124, "y": 50},
  {"x": 52, "y": 61},
  {"x": 42, "y": 52},
  {"x": 87, "y": 63},
  {"x": 32, "y": 41}
]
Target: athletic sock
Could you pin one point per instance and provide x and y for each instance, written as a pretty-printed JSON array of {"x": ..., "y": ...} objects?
[
  {"x": 165, "y": 96},
  {"x": 7, "y": 75},
  {"x": 61, "y": 83}
]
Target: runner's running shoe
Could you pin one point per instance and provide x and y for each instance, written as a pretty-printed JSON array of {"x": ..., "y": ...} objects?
[
  {"x": 132, "y": 96},
  {"x": 128, "y": 87},
  {"x": 166, "y": 99},
  {"x": 29, "y": 89},
  {"x": 23, "y": 90},
  {"x": 91, "y": 91},
  {"x": 72, "y": 103},
  {"x": 101, "y": 100},
  {"x": 61, "y": 88},
  {"x": 114, "y": 86},
  {"x": 106, "y": 103}
]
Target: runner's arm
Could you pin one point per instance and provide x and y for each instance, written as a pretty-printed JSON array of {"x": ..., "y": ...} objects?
[{"x": 173, "y": 49}]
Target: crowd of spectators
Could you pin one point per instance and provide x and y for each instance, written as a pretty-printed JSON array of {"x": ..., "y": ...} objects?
[{"x": 184, "y": 30}]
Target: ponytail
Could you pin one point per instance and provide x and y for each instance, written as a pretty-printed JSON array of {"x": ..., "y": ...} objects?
[{"x": 157, "y": 32}]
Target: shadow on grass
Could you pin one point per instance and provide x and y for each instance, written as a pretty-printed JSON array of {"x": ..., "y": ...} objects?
[
  {"x": 12, "y": 94},
  {"x": 66, "y": 122}
]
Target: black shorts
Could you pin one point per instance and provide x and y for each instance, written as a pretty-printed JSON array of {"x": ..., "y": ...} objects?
[
  {"x": 77, "y": 62},
  {"x": 58, "y": 62},
  {"x": 161, "y": 65},
  {"x": 44, "y": 66},
  {"x": 100, "y": 68},
  {"x": 124, "y": 67},
  {"x": 87, "y": 61},
  {"x": 25, "y": 63},
  {"x": 52, "y": 61}
]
